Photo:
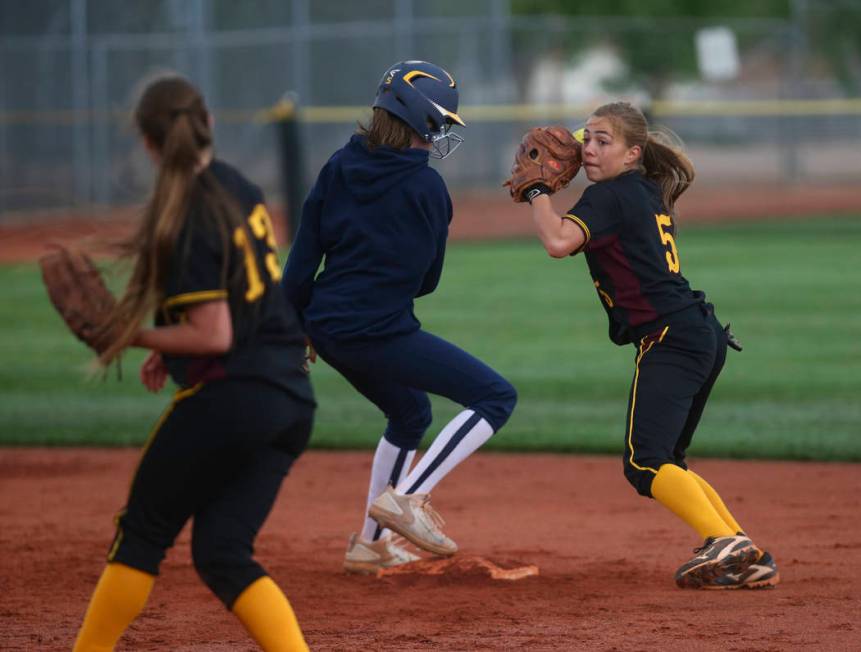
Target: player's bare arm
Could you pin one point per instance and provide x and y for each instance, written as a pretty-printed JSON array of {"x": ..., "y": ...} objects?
[
  {"x": 208, "y": 331},
  {"x": 561, "y": 237}
]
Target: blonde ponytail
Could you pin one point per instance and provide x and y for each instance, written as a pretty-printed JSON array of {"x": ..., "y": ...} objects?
[{"x": 668, "y": 166}]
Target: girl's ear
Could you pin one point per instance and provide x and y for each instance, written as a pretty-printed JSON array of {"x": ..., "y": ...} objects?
[{"x": 633, "y": 154}]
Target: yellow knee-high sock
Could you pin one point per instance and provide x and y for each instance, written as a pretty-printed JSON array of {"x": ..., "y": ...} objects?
[
  {"x": 678, "y": 491},
  {"x": 119, "y": 597},
  {"x": 267, "y": 615},
  {"x": 717, "y": 503}
]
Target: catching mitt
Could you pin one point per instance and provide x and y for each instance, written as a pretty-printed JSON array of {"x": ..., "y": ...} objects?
[
  {"x": 79, "y": 294},
  {"x": 547, "y": 156}
]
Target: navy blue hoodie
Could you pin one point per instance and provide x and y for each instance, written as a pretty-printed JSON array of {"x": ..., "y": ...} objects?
[{"x": 381, "y": 220}]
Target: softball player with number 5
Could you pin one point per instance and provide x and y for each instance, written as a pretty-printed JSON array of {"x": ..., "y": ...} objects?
[{"x": 624, "y": 224}]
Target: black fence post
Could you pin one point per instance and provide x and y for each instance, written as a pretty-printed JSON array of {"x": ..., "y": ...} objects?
[{"x": 285, "y": 115}]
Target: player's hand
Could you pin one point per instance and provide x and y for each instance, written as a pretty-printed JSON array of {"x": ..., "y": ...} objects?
[
  {"x": 153, "y": 372},
  {"x": 310, "y": 355}
]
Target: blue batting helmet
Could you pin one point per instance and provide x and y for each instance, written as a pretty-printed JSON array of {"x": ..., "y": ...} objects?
[{"x": 425, "y": 97}]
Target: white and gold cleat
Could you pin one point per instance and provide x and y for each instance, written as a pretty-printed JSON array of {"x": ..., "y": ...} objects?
[
  {"x": 367, "y": 557},
  {"x": 413, "y": 518}
]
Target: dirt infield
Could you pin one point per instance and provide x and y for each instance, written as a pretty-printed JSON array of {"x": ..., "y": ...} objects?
[
  {"x": 476, "y": 215},
  {"x": 605, "y": 557}
]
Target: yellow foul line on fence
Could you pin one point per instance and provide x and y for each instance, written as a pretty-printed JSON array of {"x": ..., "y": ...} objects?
[
  {"x": 758, "y": 107},
  {"x": 662, "y": 109},
  {"x": 473, "y": 113}
]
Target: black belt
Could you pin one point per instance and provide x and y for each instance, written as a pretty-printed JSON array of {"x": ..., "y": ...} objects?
[{"x": 686, "y": 313}]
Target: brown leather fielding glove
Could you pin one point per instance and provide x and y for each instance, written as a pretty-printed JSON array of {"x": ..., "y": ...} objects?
[
  {"x": 548, "y": 157},
  {"x": 78, "y": 293}
]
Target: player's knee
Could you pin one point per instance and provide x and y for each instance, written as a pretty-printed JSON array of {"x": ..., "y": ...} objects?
[
  {"x": 508, "y": 397},
  {"x": 226, "y": 572},
  {"x": 406, "y": 431},
  {"x": 639, "y": 479},
  {"x": 135, "y": 550},
  {"x": 497, "y": 407}
]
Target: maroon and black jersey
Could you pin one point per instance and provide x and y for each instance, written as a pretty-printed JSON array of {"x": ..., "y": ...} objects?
[
  {"x": 267, "y": 341},
  {"x": 631, "y": 252}
]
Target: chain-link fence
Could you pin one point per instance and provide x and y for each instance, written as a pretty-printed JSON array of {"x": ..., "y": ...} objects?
[{"x": 780, "y": 109}]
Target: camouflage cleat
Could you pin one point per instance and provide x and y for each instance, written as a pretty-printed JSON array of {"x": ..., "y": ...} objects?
[
  {"x": 717, "y": 557},
  {"x": 761, "y": 574}
]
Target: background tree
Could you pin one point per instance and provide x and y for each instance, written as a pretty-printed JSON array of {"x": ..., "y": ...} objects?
[{"x": 655, "y": 52}]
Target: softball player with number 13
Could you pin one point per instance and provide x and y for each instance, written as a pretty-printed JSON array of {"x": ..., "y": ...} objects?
[{"x": 205, "y": 263}]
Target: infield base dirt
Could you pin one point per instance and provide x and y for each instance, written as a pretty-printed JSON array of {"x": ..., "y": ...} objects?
[{"x": 606, "y": 559}]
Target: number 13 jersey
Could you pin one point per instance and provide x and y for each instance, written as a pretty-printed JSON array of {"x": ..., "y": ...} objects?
[
  {"x": 267, "y": 340},
  {"x": 631, "y": 251}
]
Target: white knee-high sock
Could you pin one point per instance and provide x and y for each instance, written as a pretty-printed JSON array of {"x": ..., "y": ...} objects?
[
  {"x": 391, "y": 464},
  {"x": 461, "y": 437}
]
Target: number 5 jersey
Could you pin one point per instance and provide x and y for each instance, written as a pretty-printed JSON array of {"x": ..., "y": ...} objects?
[{"x": 631, "y": 251}]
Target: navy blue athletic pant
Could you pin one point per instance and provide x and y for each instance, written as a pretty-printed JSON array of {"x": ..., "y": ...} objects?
[
  {"x": 218, "y": 455},
  {"x": 396, "y": 374}
]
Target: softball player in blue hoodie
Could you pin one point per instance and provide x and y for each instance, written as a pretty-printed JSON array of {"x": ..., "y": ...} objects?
[{"x": 378, "y": 216}]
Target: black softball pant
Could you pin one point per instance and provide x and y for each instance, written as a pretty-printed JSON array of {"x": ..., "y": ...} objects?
[
  {"x": 676, "y": 367},
  {"x": 218, "y": 454}
]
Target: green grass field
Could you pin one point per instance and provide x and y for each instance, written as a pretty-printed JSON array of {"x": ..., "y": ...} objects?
[{"x": 791, "y": 289}]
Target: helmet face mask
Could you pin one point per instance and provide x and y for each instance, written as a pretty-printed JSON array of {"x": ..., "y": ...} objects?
[
  {"x": 444, "y": 142},
  {"x": 425, "y": 97}
]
